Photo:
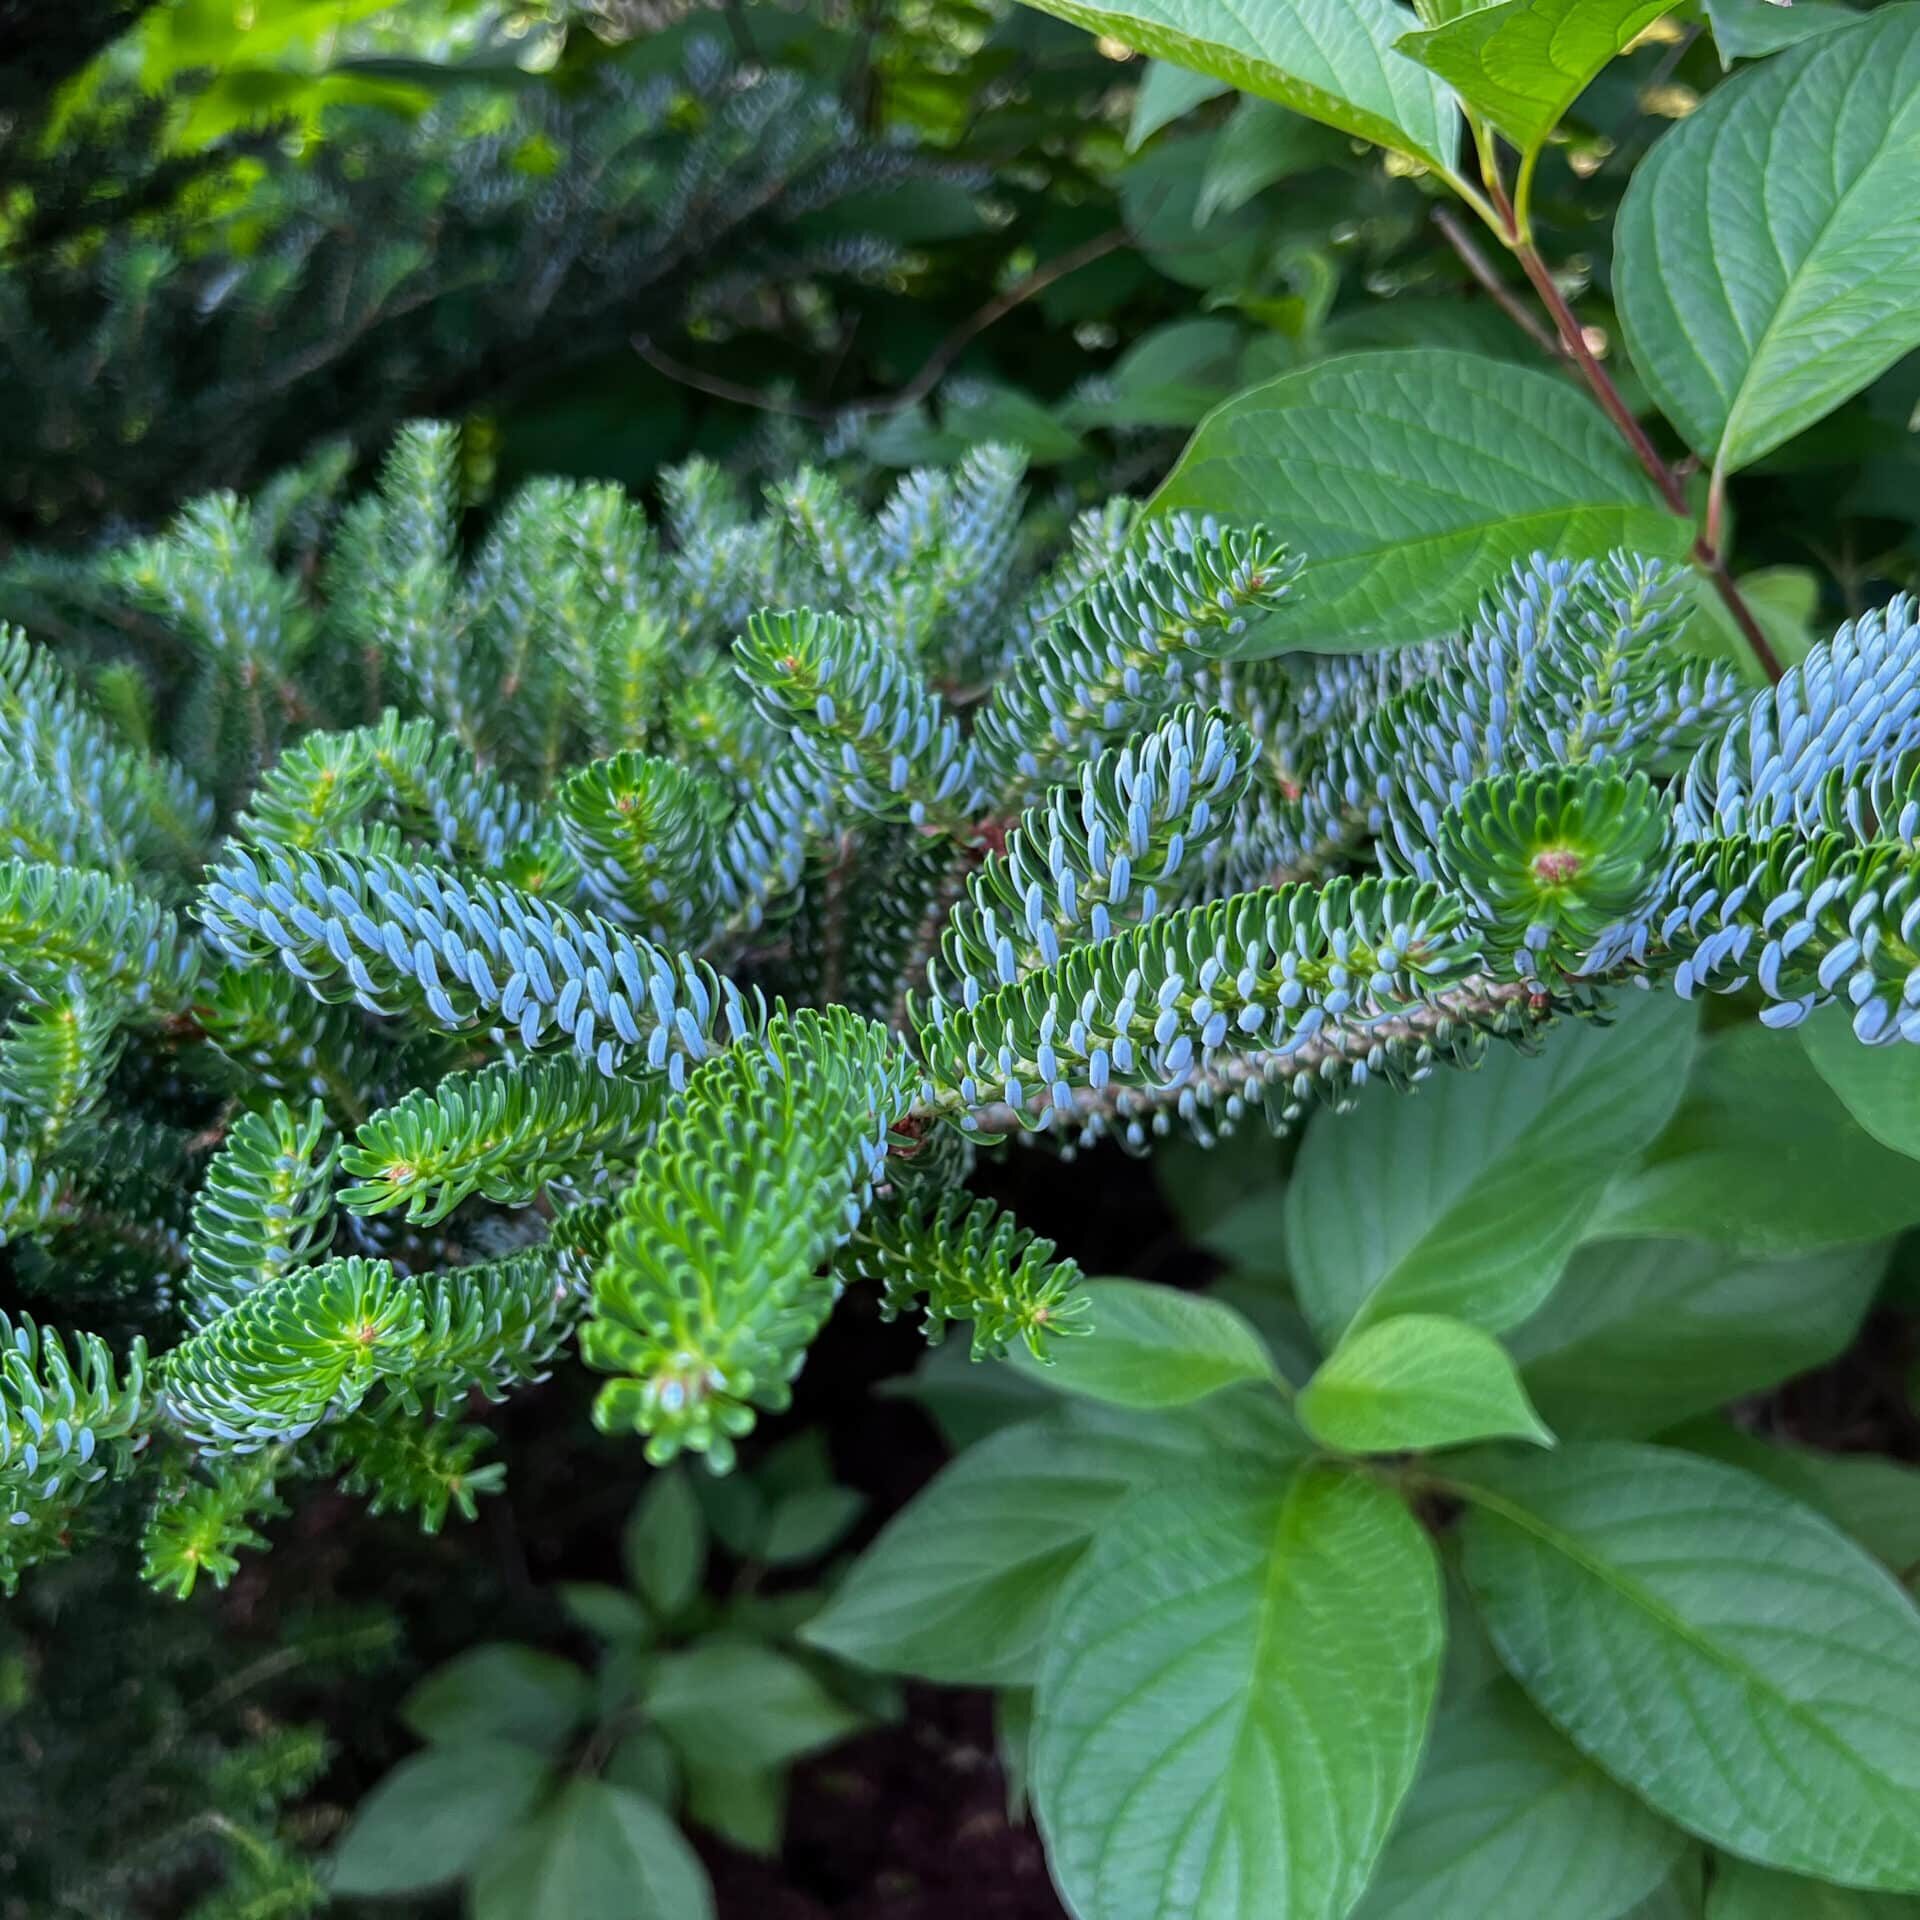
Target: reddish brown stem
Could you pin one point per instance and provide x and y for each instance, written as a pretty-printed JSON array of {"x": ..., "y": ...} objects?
[
  {"x": 1573, "y": 344},
  {"x": 1599, "y": 381},
  {"x": 1496, "y": 289},
  {"x": 1706, "y": 554}
]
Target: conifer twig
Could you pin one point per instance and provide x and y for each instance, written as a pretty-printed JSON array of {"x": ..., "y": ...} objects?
[{"x": 931, "y": 370}]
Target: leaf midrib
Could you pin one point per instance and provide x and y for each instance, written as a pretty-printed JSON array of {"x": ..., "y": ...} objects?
[
  {"x": 1266, "y": 1608},
  {"x": 1748, "y": 383},
  {"x": 1571, "y": 1549},
  {"x": 1275, "y": 1585}
]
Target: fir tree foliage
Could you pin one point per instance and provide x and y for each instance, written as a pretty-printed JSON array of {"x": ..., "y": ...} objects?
[
  {"x": 323, "y": 265},
  {"x": 263, "y": 1207},
  {"x": 959, "y": 1257},
  {"x": 621, "y": 935},
  {"x": 712, "y": 1287}
]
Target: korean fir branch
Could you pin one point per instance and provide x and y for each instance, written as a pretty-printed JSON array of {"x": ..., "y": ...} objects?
[
  {"x": 1789, "y": 856},
  {"x": 395, "y": 590},
  {"x": 1783, "y": 859},
  {"x": 1110, "y": 850},
  {"x": 206, "y": 1514},
  {"x": 422, "y": 943},
  {"x": 504, "y": 1132},
  {"x": 646, "y": 832},
  {"x": 1123, "y": 652},
  {"x": 858, "y": 707},
  {"x": 711, "y": 1289},
  {"x": 418, "y": 779},
  {"x": 1213, "y": 1000},
  {"x": 931, "y": 572},
  {"x": 212, "y": 582},
  {"x": 86, "y": 959},
  {"x": 263, "y": 1207},
  {"x": 1565, "y": 664},
  {"x": 58, "y": 925},
  {"x": 72, "y": 1415},
  {"x": 55, "y": 1058},
  {"x": 427, "y": 1470},
  {"x": 959, "y": 1258},
  {"x": 1795, "y": 866},
  {"x": 75, "y": 793},
  {"x": 312, "y": 1345}
]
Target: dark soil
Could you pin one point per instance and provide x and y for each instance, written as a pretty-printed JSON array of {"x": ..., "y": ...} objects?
[{"x": 905, "y": 1823}]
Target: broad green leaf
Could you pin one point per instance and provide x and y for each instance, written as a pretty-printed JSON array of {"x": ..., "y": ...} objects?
[
  {"x": 609, "y": 1613},
  {"x": 1160, "y": 198},
  {"x": 665, "y": 1543},
  {"x": 434, "y": 1815},
  {"x": 959, "y": 1585},
  {"x": 1874, "y": 1500},
  {"x": 1152, "y": 1346},
  {"x": 1260, "y": 143},
  {"x": 1682, "y": 1896},
  {"x": 644, "y": 1761},
  {"x": 1436, "y": 13},
  {"x": 1767, "y": 256},
  {"x": 1236, "y": 1688},
  {"x": 1166, "y": 378},
  {"x": 1470, "y": 1664},
  {"x": 1013, "y": 1744},
  {"x": 1332, "y": 60},
  {"x": 1642, "y": 1333},
  {"x": 988, "y": 410},
  {"x": 598, "y": 1853},
  {"x": 1725, "y": 1652},
  {"x": 967, "y": 1401},
  {"x": 1477, "y": 327},
  {"x": 1415, "y": 1382},
  {"x": 1523, "y": 63},
  {"x": 1467, "y": 1197},
  {"x": 500, "y": 1691},
  {"x": 1784, "y": 602},
  {"x": 1410, "y": 481},
  {"x": 735, "y": 1508},
  {"x": 1269, "y": 1306},
  {"x": 749, "y": 1809},
  {"x": 1244, "y": 1423},
  {"x": 178, "y": 39},
  {"x": 1879, "y": 1086},
  {"x": 907, "y": 437},
  {"x": 1167, "y": 93},
  {"x": 1744, "y": 1892},
  {"x": 1508, "y": 1822},
  {"x": 806, "y": 1523},
  {"x": 1751, "y": 29},
  {"x": 735, "y": 1706},
  {"x": 770, "y": 1616},
  {"x": 1761, "y": 1158},
  {"x": 803, "y": 1463}
]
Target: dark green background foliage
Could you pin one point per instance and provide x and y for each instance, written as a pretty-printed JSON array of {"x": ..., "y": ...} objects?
[
  {"x": 673, "y": 678},
  {"x": 190, "y": 294}
]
